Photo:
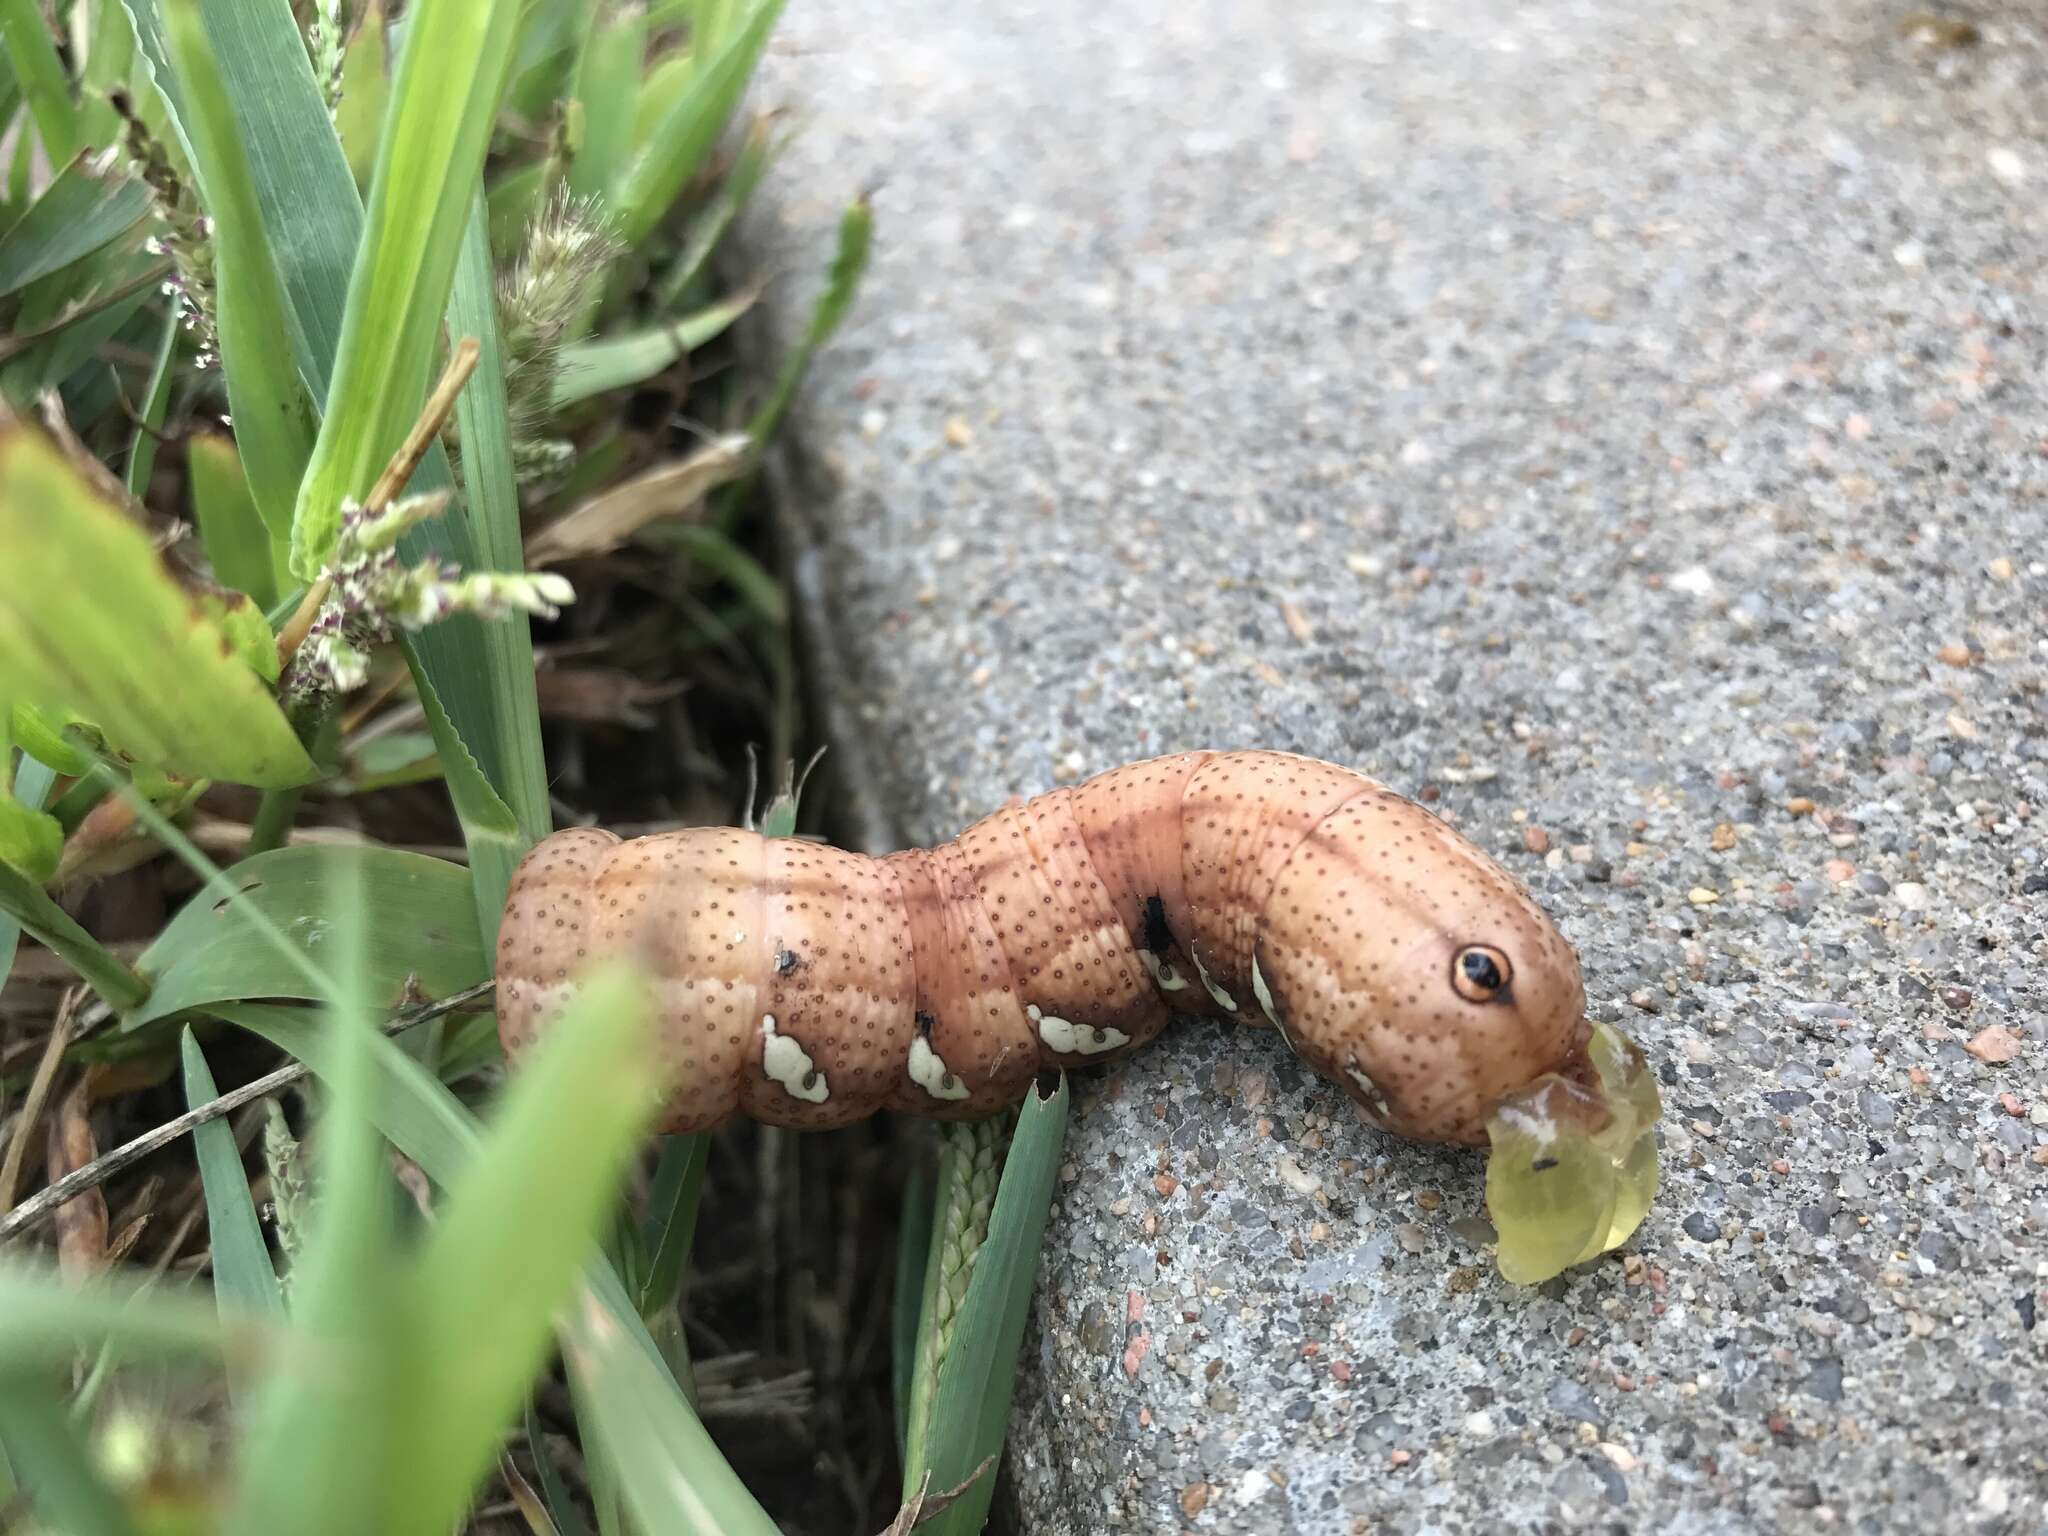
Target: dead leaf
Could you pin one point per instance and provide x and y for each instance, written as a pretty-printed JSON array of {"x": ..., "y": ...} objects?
[
  {"x": 921, "y": 1506},
  {"x": 81, "y": 1221},
  {"x": 607, "y": 520}
]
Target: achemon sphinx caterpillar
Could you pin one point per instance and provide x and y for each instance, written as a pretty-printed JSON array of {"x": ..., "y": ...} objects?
[{"x": 809, "y": 987}]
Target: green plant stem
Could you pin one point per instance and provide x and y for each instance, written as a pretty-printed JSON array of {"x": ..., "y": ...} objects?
[
  {"x": 42, "y": 919},
  {"x": 273, "y": 823}
]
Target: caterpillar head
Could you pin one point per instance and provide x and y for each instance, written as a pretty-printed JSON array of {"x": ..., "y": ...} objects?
[{"x": 1412, "y": 968}]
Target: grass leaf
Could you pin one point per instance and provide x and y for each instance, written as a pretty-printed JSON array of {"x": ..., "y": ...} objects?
[
  {"x": 607, "y": 90},
  {"x": 672, "y": 1218},
  {"x": 418, "y": 921},
  {"x": 143, "y": 444},
  {"x": 40, "y": 72},
  {"x": 451, "y": 73},
  {"x": 365, "y": 92},
  {"x": 516, "y": 1226},
  {"x": 238, "y": 545},
  {"x": 154, "y": 672},
  {"x": 243, "y": 1278},
  {"x": 347, "y": 1297},
  {"x": 273, "y": 414},
  {"x": 83, "y": 210},
  {"x": 606, "y": 363},
  {"x": 671, "y": 1475},
  {"x": 849, "y": 261},
  {"x": 971, "y": 1413},
  {"x": 688, "y": 130},
  {"x": 51, "y": 1462}
]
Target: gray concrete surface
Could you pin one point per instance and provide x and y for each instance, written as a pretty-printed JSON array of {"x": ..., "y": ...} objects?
[{"x": 1626, "y": 421}]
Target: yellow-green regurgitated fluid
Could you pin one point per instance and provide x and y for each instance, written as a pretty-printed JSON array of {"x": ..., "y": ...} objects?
[{"x": 1573, "y": 1169}]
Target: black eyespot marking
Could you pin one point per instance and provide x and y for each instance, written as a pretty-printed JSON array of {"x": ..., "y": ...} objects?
[
  {"x": 926, "y": 1024},
  {"x": 1158, "y": 937},
  {"x": 785, "y": 961},
  {"x": 1481, "y": 974},
  {"x": 1543, "y": 1165}
]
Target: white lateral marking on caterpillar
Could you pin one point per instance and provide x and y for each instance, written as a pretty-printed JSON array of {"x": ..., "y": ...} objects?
[
  {"x": 1223, "y": 998},
  {"x": 1073, "y": 1039},
  {"x": 1163, "y": 973},
  {"x": 1264, "y": 994},
  {"x": 1367, "y": 1086},
  {"x": 931, "y": 1073},
  {"x": 790, "y": 1065}
]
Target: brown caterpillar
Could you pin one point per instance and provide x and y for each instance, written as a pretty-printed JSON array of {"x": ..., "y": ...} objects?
[{"x": 809, "y": 987}]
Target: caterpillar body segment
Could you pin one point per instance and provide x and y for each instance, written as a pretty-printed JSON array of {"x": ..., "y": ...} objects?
[{"x": 809, "y": 987}]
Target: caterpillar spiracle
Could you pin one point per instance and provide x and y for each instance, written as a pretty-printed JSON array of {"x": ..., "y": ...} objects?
[{"x": 805, "y": 986}]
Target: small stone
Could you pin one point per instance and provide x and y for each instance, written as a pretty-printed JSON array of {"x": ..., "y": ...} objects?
[
  {"x": 1400, "y": 1458},
  {"x": 1340, "y": 1370},
  {"x": 1702, "y": 896},
  {"x": 1799, "y": 805},
  {"x": 1166, "y": 1184},
  {"x": 1646, "y": 1000},
  {"x": 1724, "y": 836},
  {"x": 1619, "y": 1455},
  {"x": 1535, "y": 839},
  {"x": 1995, "y": 1044},
  {"x": 1702, "y": 1228},
  {"x": 1999, "y": 569},
  {"x": 1428, "y": 1199},
  {"x": 958, "y": 433},
  {"x": 1957, "y": 998},
  {"x": 2012, "y": 1104},
  {"x": 1954, "y": 654},
  {"x": 1838, "y": 871},
  {"x": 1194, "y": 1499},
  {"x": 1912, "y": 895}
]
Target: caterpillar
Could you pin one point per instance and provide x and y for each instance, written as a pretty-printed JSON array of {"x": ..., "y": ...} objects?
[{"x": 806, "y": 986}]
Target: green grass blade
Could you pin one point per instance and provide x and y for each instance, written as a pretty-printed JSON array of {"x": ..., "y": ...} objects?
[
  {"x": 143, "y": 444},
  {"x": 672, "y": 1218},
  {"x": 716, "y": 553},
  {"x": 849, "y": 261},
  {"x": 913, "y": 1253},
  {"x": 516, "y": 1226},
  {"x": 554, "y": 1492},
  {"x": 238, "y": 545},
  {"x": 47, "y": 1318},
  {"x": 166, "y": 683},
  {"x": 51, "y": 1461},
  {"x": 420, "y": 1117},
  {"x": 689, "y": 129},
  {"x": 82, "y": 211},
  {"x": 419, "y": 921},
  {"x": 451, "y": 73},
  {"x": 321, "y": 1447},
  {"x": 312, "y": 215},
  {"x": 606, "y": 363},
  {"x": 972, "y": 1410},
  {"x": 502, "y": 697},
  {"x": 25, "y": 904},
  {"x": 33, "y": 53},
  {"x": 32, "y": 781},
  {"x": 670, "y": 1473},
  {"x": 607, "y": 90},
  {"x": 109, "y": 58},
  {"x": 244, "y": 1279},
  {"x": 365, "y": 93},
  {"x": 273, "y": 415},
  {"x": 708, "y": 227}
]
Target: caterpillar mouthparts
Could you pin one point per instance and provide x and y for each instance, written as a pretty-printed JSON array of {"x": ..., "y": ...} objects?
[{"x": 805, "y": 986}]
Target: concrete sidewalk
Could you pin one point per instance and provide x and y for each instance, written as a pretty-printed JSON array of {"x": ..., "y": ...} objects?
[{"x": 1626, "y": 423}]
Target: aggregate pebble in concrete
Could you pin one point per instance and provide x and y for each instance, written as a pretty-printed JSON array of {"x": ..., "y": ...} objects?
[{"x": 1625, "y": 425}]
